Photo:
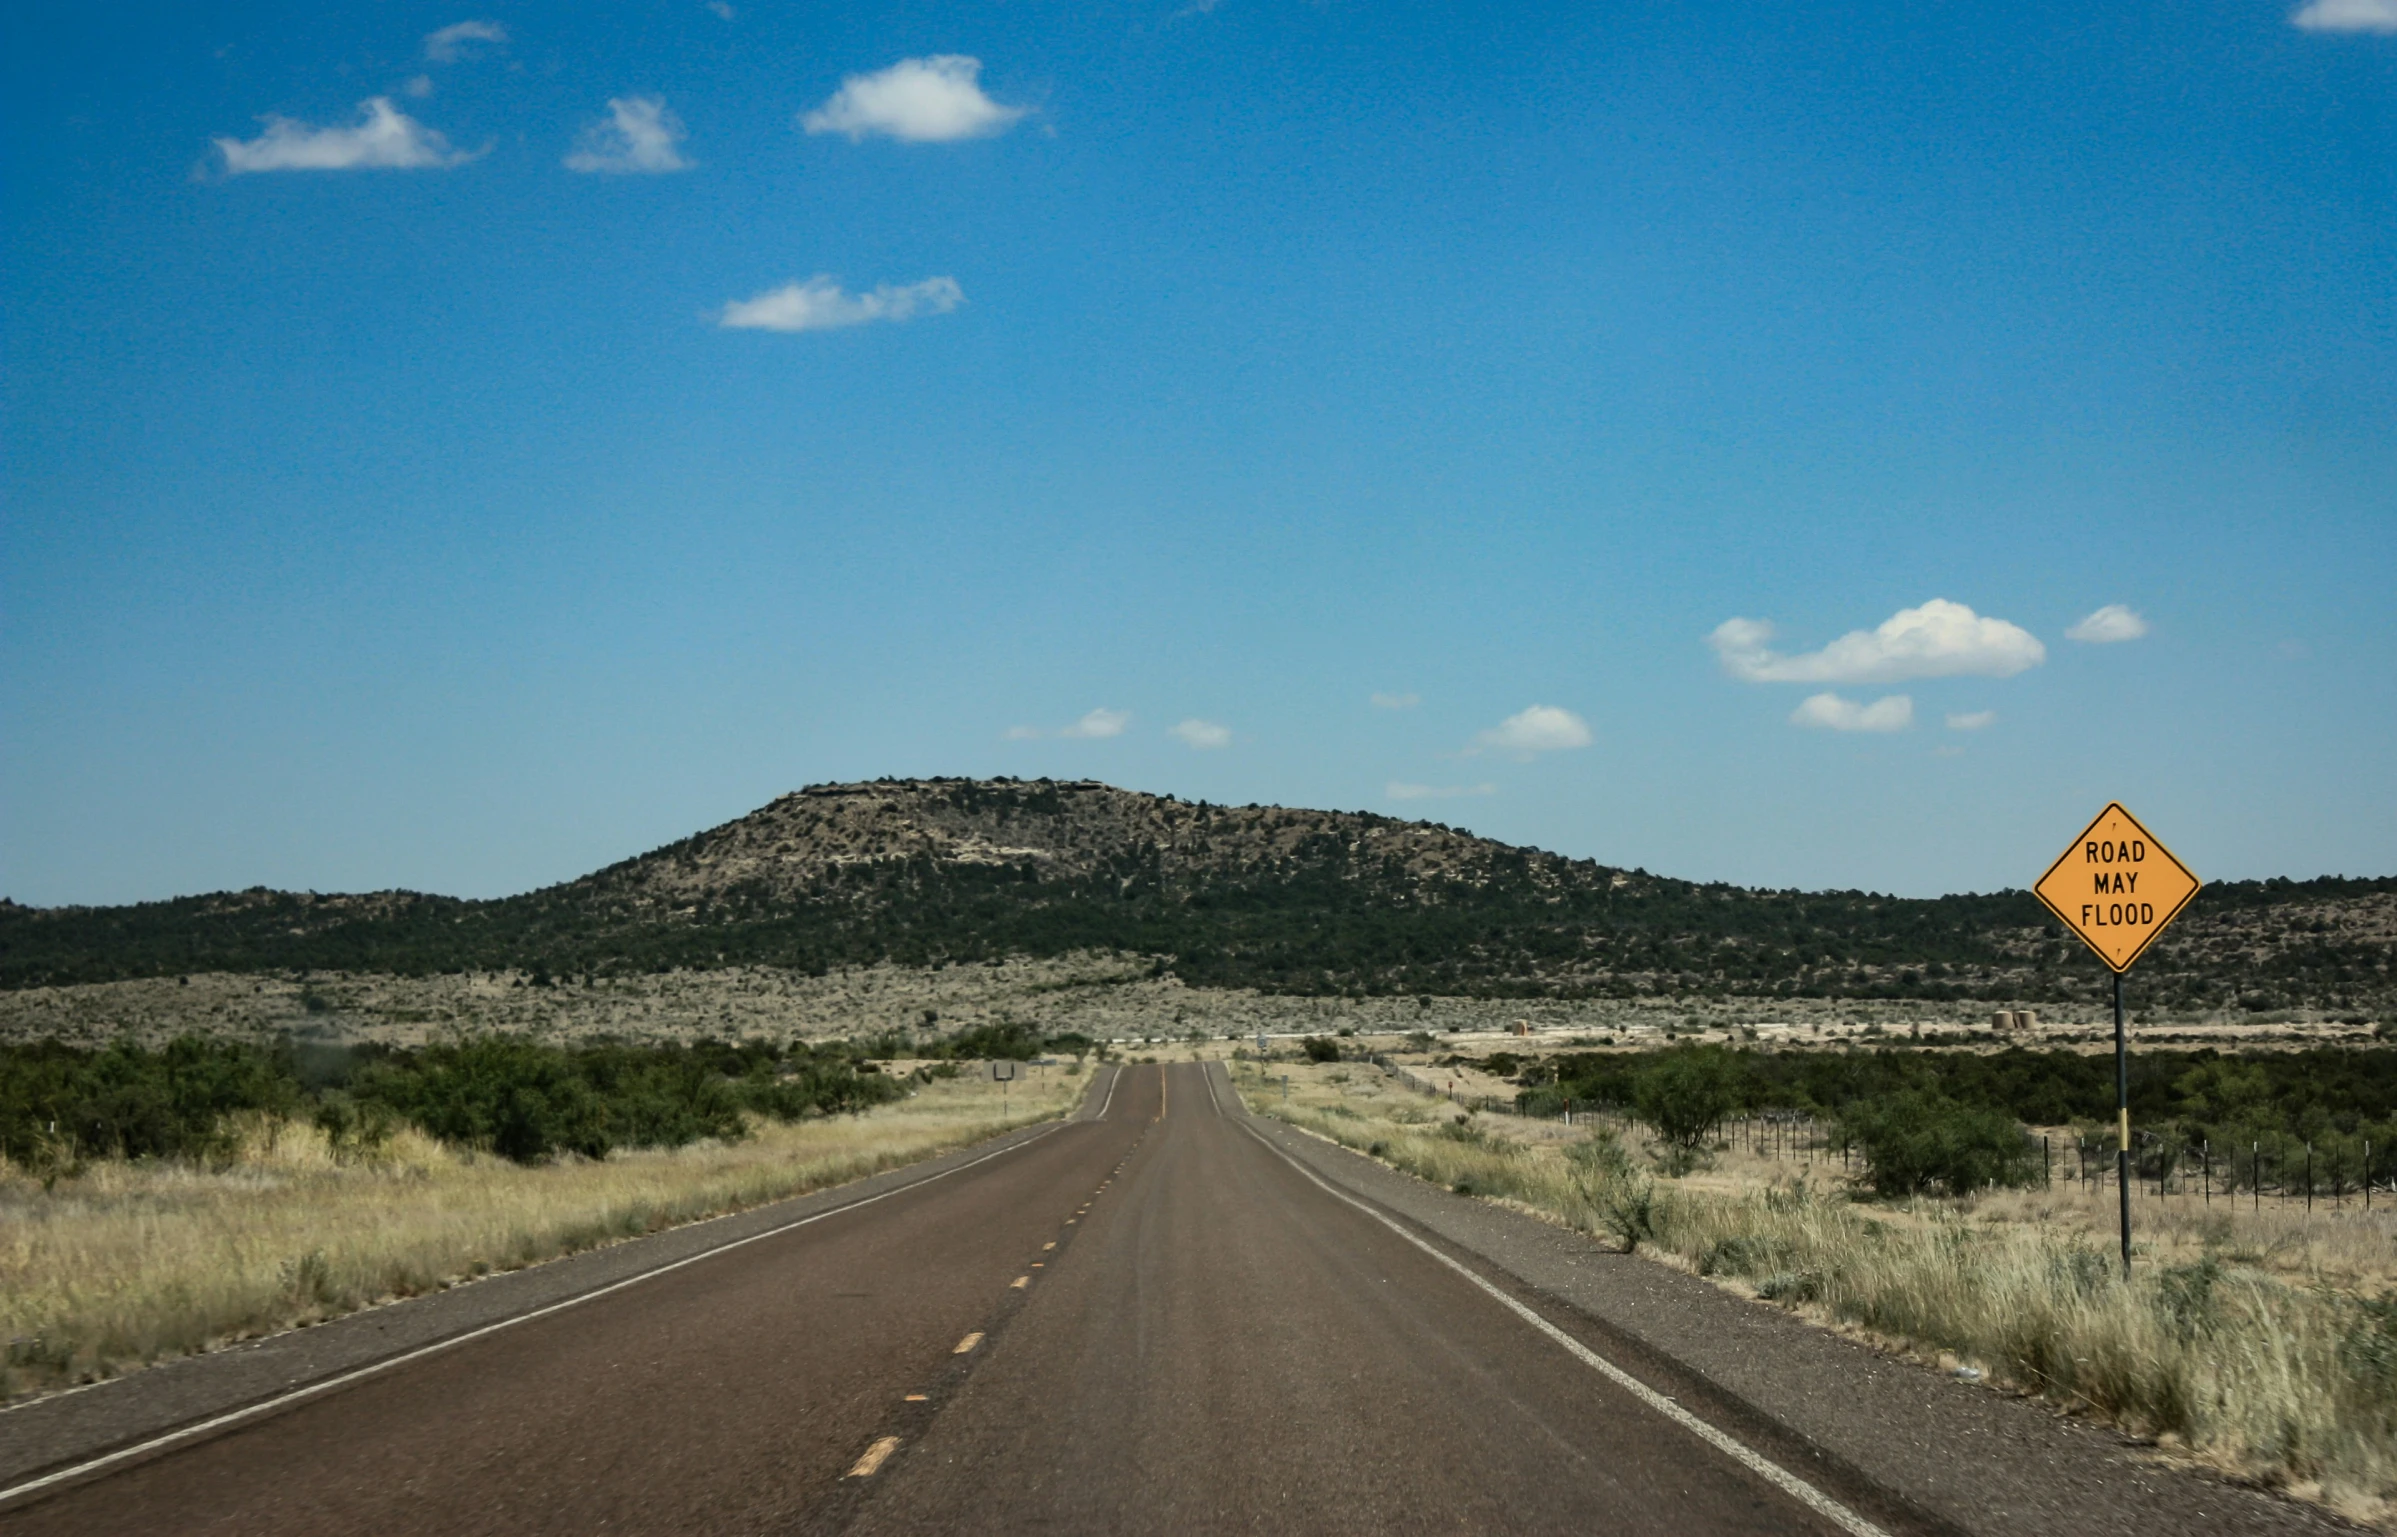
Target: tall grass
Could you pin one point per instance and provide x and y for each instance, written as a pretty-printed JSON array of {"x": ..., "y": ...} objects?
[
  {"x": 2282, "y": 1380},
  {"x": 127, "y": 1263}
]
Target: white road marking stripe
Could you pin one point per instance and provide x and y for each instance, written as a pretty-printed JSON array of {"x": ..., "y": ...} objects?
[
  {"x": 1110, "y": 1099},
  {"x": 252, "y": 1411},
  {"x": 1755, "y": 1462}
]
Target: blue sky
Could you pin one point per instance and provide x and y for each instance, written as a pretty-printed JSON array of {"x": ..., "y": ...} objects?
[{"x": 457, "y": 446}]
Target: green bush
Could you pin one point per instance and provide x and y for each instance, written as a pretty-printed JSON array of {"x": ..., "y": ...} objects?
[
  {"x": 1914, "y": 1142},
  {"x": 522, "y": 1100},
  {"x": 59, "y": 1102},
  {"x": 519, "y": 1098},
  {"x": 1321, "y": 1048}
]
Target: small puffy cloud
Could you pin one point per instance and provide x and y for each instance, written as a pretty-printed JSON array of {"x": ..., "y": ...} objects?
[
  {"x": 1938, "y": 640},
  {"x": 384, "y": 138},
  {"x": 1396, "y": 701},
  {"x": 454, "y": 42},
  {"x": 820, "y": 304},
  {"x": 419, "y": 87},
  {"x": 1401, "y": 791},
  {"x": 920, "y": 101},
  {"x": 2347, "y": 16},
  {"x": 1829, "y": 712},
  {"x": 1021, "y": 734},
  {"x": 639, "y": 135},
  {"x": 2112, "y": 623},
  {"x": 1542, "y": 728},
  {"x": 1099, "y": 724},
  {"x": 1971, "y": 720},
  {"x": 721, "y": 9},
  {"x": 1201, "y": 734}
]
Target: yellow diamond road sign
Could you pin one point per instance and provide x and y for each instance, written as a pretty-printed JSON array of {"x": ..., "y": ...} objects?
[{"x": 2116, "y": 887}]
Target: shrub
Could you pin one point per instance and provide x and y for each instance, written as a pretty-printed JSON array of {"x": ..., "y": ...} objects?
[
  {"x": 1321, "y": 1048},
  {"x": 132, "y": 1102},
  {"x": 1915, "y": 1141}
]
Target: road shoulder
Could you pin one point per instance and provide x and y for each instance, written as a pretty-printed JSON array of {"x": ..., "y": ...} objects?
[{"x": 1964, "y": 1456}]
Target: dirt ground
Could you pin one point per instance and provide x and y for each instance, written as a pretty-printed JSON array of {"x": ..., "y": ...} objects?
[{"x": 1107, "y": 997}]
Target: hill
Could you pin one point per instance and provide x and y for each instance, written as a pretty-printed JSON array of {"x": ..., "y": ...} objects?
[{"x": 950, "y": 871}]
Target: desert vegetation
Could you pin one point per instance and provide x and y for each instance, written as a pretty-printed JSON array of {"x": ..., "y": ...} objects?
[
  {"x": 233, "y": 1196},
  {"x": 521, "y": 1099},
  {"x": 2253, "y": 1335}
]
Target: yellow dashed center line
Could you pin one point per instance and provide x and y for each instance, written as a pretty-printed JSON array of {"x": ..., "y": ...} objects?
[
  {"x": 1019, "y": 1283},
  {"x": 876, "y": 1455},
  {"x": 917, "y": 1398},
  {"x": 968, "y": 1343},
  {"x": 1049, "y": 1245}
]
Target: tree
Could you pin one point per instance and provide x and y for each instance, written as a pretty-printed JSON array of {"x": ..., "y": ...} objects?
[{"x": 1685, "y": 1093}]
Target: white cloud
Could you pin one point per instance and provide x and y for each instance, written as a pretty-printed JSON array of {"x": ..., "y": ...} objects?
[
  {"x": 418, "y": 86},
  {"x": 721, "y": 9},
  {"x": 1099, "y": 724},
  {"x": 1829, "y": 712},
  {"x": 1202, "y": 734},
  {"x": 1938, "y": 640},
  {"x": 448, "y": 45},
  {"x": 385, "y": 138},
  {"x": 639, "y": 135},
  {"x": 1400, "y": 791},
  {"x": 1972, "y": 720},
  {"x": 2347, "y": 16},
  {"x": 1396, "y": 701},
  {"x": 820, "y": 304},
  {"x": 1021, "y": 734},
  {"x": 2111, "y": 623},
  {"x": 1542, "y": 728},
  {"x": 921, "y": 101}
]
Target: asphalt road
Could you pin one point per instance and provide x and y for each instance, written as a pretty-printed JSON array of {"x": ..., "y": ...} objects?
[{"x": 1149, "y": 1321}]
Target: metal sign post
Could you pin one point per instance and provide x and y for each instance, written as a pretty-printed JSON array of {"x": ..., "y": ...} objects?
[
  {"x": 2117, "y": 887},
  {"x": 1002, "y": 1072}
]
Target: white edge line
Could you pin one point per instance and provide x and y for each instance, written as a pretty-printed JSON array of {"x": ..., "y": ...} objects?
[
  {"x": 252, "y": 1411},
  {"x": 1110, "y": 1099},
  {"x": 1754, "y": 1461},
  {"x": 1208, "y": 1073}
]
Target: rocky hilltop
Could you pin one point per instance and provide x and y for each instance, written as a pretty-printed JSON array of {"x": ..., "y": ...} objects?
[
  {"x": 823, "y": 838},
  {"x": 940, "y": 872}
]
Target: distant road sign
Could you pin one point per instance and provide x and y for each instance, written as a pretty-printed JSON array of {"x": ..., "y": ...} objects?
[
  {"x": 1002, "y": 1070},
  {"x": 2116, "y": 887}
]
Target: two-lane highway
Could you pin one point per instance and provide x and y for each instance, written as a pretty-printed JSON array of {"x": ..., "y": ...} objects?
[
  {"x": 1148, "y": 1321},
  {"x": 1232, "y": 1347}
]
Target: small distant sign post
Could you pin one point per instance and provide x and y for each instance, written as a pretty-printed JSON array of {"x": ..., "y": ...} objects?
[
  {"x": 2117, "y": 887},
  {"x": 1002, "y": 1073}
]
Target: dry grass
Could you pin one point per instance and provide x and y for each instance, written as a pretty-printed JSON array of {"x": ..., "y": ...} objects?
[
  {"x": 129, "y": 1264},
  {"x": 2246, "y": 1341}
]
